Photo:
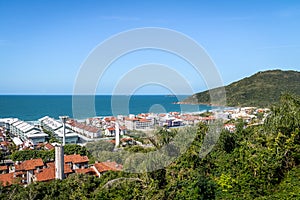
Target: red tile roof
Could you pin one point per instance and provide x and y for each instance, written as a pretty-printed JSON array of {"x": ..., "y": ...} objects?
[
  {"x": 49, "y": 146},
  {"x": 76, "y": 159},
  {"x": 67, "y": 169},
  {"x": 108, "y": 166},
  {"x": 131, "y": 119},
  {"x": 3, "y": 168},
  {"x": 48, "y": 173},
  {"x": 94, "y": 129},
  {"x": 144, "y": 120},
  {"x": 126, "y": 139},
  {"x": 108, "y": 119},
  {"x": 111, "y": 128},
  {"x": 7, "y": 179},
  {"x": 208, "y": 118},
  {"x": 29, "y": 165},
  {"x": 111, "y": 141},
  {"x": 85, "y": 171},
  {"x": 4, "y": 143}
]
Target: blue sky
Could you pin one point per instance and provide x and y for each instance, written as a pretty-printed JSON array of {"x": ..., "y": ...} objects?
[{"x": 43, "y": 43}]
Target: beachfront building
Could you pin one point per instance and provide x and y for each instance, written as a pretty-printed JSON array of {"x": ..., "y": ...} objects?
[
  {"x": 144, "y": 124},
  {"x": 130, "y": 122},
  {"x": 110, "y": 131},
  {"x": 174, "y": 122},
  {"x": 50, "y": 124},
  {"x": 134, "y": 123},
  {"x": 36, "y": 137},
  {"x": 6, "y": 122},
  {"x": 96, "y": 122},
  {"x": 56, "y": 128},
  {"x": 172, "y": 119},
  {"x": 24, "y": 131},
  {"x": 70, "y": 136},
  {"x": 83, "y": 129}
]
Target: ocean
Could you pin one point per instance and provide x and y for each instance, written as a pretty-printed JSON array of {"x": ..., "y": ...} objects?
[{"x": 33, "y": 107}]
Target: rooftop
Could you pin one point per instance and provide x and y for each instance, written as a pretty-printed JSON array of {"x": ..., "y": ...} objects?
[
  {"x": 76, "y": 158},
  {"x": 85, "y": 171},
  {"x": 29, "y": 165},
  {"x": 48, "y": 173},
  {"x": 7, "y": 179},
  {"x": 108, "y": 166}
]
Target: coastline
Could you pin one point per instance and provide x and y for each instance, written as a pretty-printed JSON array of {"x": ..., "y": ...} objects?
[{"x": 190, "y": 103}]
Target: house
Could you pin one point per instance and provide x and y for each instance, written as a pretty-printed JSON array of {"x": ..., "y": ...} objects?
[
  {"x": 130, "y": 123},
  {"x": 56, "y": 128},
  {"x": 76, "y": 161},
  {"x": 127, "y": 141},
  {"x": 208, "y": 119},
  {"x": 110, "y": 131},
  {"x": 89, "y": 171},
  {"x": 50, "y": 124},
  {"x": 8, "y": 179},
  {"x": 28, "y": 169},
  {"x": 48, "y": 173},
  {"x": 103, "y": 167},
  {"x": 123, "y": 130},
  {"x": 174, "y": 122},
  {"x": 133, "y": 123},
  {"x": 4, "y": 169},
  {"x": 36, "y": 136},
  {"x": 143, "y": 124},
  {"x": 70, "y": 136},
  {"x": 229, "y": 127},
  {"x": 26, "y": 131},
  {"x": 86, "y": 130},
  {"x": 92, "y": 132},
  {"x": 48, "y": 146}
]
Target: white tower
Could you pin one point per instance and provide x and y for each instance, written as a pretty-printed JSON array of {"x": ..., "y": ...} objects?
[
  {"x": 63, "y": 120},
  {"x": 117, "y": 128},
  {"x": 59, "y": 153},
  {"x": 59, "y": 162}
]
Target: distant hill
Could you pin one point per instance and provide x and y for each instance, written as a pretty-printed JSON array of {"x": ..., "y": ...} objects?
[{"x": 261, "y": 89}]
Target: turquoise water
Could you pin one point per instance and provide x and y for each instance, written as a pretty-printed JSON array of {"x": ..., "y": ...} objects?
[{"x": 33, "y": 107}]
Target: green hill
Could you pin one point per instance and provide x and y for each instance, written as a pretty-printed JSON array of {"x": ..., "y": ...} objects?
[{"x": 261, "y": 89}]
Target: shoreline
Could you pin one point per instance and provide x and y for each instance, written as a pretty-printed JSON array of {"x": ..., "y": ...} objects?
[{"x": 190, "y": 103}]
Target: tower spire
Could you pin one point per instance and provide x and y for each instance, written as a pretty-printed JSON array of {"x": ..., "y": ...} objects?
[
  {"x": 59, "y": 153},
  {"x": 117, "y": 128}
]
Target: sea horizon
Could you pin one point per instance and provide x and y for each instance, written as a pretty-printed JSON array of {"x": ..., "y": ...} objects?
[{"x": 32, "y": 107}]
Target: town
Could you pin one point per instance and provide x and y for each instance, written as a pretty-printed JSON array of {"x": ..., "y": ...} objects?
[{"x": 48, "y": 134}]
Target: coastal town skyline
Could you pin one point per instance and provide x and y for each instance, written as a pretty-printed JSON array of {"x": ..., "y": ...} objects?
[{"x": 43, "y": 44}]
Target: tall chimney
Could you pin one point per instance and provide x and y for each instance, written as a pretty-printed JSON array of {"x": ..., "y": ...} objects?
[
  {"x": 59, "y": 153},
  {"x": 117, "y": 128},
  {"x": 59, "y": 162},
  {"x": 63, "y": 120}
]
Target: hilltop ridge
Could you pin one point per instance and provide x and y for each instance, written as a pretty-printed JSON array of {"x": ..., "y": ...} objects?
[{"x": 261, "y": 89}]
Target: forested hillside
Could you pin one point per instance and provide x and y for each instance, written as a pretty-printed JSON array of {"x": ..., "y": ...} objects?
[{"x": 261, "y": 89}]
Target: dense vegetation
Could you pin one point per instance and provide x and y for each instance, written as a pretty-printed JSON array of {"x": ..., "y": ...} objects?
[
  {"x": 256, "y": 162},
  {"x": 47, "y": 155},
  {"x": 261, "y": 90}
]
